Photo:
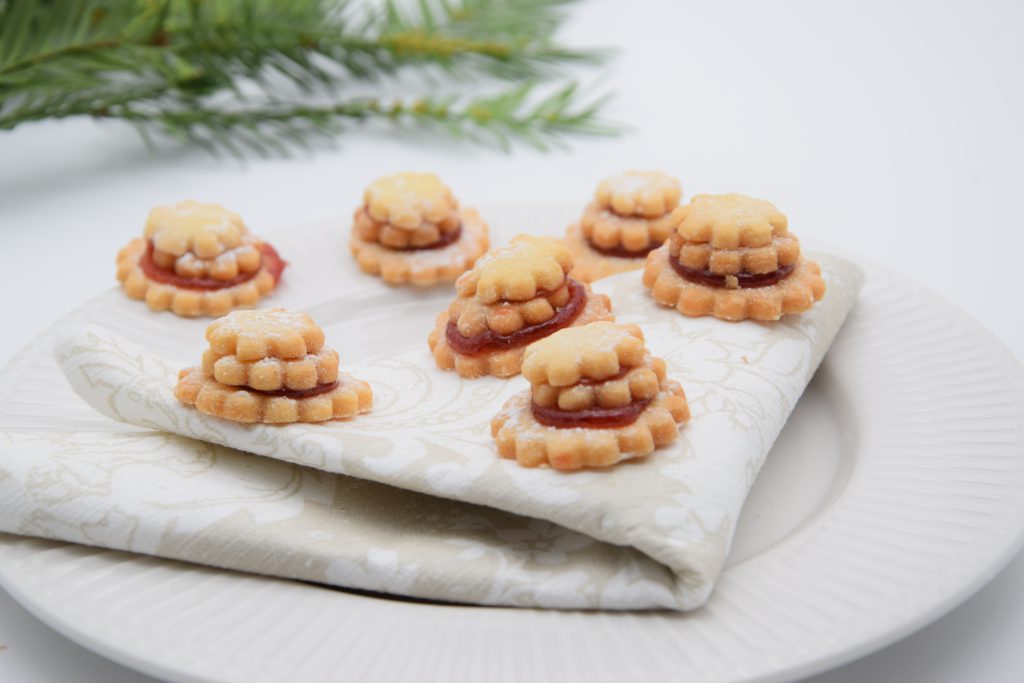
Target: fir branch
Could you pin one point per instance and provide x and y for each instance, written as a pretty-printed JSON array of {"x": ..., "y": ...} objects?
[
  {"x": 514, "y": 113},
  {"x": 162, "y": 62},
  {"x": 113, "y": 35}
]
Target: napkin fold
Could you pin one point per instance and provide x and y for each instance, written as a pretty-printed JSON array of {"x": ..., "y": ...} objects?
[{"x": 411, "y": 498}]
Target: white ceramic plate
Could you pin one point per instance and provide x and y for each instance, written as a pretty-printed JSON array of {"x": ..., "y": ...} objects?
[{"x": 895, "y": 491}]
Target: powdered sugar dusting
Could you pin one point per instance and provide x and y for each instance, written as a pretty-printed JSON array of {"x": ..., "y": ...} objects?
[
  {"x": 269, "y": 323},
  {"x": 638, "y": 182},
  {"x": 406, "y": 200},
  {"x": 627, "y": 183},
  {"x": 588, "y": 350},
  {"x": 205, "y": 229}
]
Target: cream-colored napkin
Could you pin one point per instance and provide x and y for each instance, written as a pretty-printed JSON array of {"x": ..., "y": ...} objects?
[{"x": 425, "y": 507}]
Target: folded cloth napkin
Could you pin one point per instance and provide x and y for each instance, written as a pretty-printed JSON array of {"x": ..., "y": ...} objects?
[{"x": 420, "y": 504}]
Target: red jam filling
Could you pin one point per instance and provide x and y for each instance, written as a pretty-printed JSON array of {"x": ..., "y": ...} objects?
[
  {"x": 299, "y": 393},
  {"x": 591, "y": 418},
  {"x": 446, "y": 239},
  {"x": 620, "y": 251},
  {"x": 745, "y": 280},
  {"x": 488, "y": 340},
  {"x": 271, "y": 261}
]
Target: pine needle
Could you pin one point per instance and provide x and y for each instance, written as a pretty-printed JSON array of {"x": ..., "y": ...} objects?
[{"x": 235, "y": 75}]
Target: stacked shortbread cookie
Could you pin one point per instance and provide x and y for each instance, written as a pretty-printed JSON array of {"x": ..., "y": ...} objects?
[
  {"x": 629, "y": 216},
  {"x": 410, "y": 230},
  {"x": 596, "y": 397},
  {"x": 512, "y": 297},
  {"x": 732, "y": 257},
  {"x": 197, "y": 259},
  {"x": 271, "y": 366}
]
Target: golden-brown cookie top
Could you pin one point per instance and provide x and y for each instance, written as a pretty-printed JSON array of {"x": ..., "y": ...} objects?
[
  {"x": 596, "y": 351},
  {"x": 265, "y": 333},
  {"x": 527, "y": 267},
  {"x": 729, "y": 221},
  {"x": 639, "y": 193},
  {"x": 206, "y": 230},
  {"x": 407, "y": 200}
]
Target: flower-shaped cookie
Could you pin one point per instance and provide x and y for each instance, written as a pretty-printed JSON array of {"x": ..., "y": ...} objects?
[
  {"x": 273, "y": 332},
  {"x": 512, "y": 297},
  {"x": 597, "y": 397},
  {"x": 407, "y": 200},
  {"x": 197, "y": 259},
  {"x": 629, "y": 217},
  {"x": 410, "y": 230},
  {"x": 271, "y": 366},
  {"x": 732, "y": 257},
  {"x": 640, "y": 193},
  {"x": 518, "y": 272},
  {"x": 206, "y": 230}
]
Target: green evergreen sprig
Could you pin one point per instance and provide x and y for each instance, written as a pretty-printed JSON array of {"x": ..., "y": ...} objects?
[{"x": 256, "y": 74}]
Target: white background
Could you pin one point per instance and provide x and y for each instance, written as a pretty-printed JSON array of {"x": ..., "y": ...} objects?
[{"x": 891, "y": 129}]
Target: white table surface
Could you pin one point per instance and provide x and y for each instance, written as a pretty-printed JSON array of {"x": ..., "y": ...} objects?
[{"x": 892, "y": 129}]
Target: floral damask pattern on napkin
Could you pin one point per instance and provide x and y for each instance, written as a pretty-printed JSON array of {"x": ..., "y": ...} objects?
[{"x": 412, "y": 499}]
